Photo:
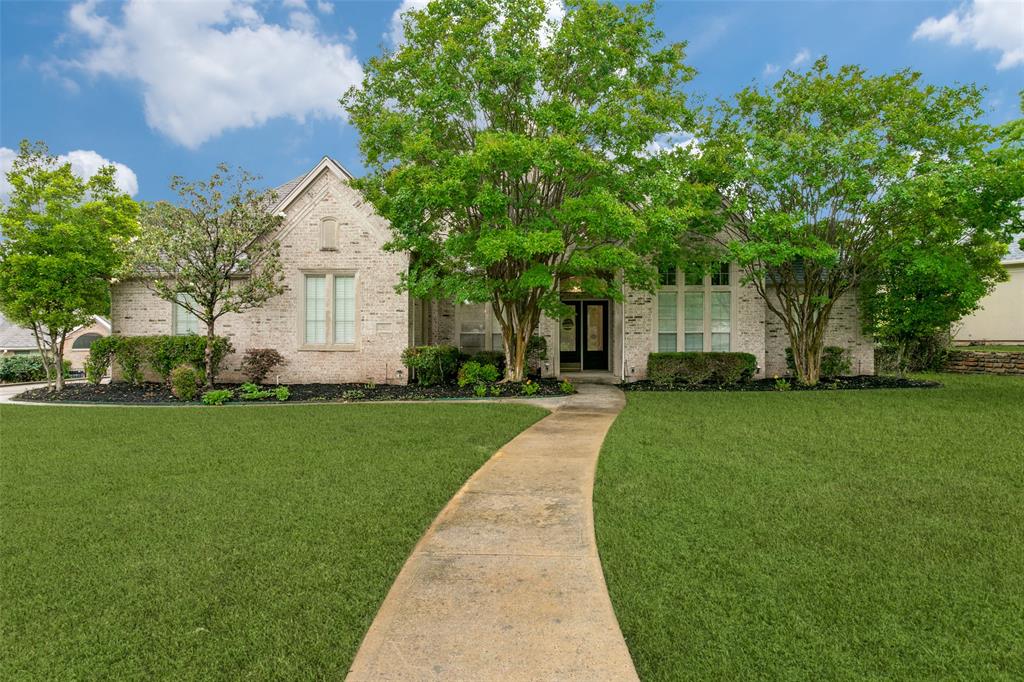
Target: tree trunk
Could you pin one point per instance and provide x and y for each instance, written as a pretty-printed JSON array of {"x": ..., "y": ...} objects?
[
  {"x": 515, "y": 334},
  {"x": 58, "y": 366},
  {"x": 208, "y": 355},
  {"x": 808, "y": 345}
]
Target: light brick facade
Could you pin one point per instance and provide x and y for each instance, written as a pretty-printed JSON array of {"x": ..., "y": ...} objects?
[
  {"x": 387, "y": 322},
  {"x": 383, "y": 323}
]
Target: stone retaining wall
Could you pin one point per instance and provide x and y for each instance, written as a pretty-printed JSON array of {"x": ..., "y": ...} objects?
[{"x": 979, "y": 362}]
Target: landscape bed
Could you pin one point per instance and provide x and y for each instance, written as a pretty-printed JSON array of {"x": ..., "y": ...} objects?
[
  {"x": 218, "y": 544},
  {"x": 864, "y": 534},
  {"x": 160, "y": 394},
  {"x": 791, "y": 384}
]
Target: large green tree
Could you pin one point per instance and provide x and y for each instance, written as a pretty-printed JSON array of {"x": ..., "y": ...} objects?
[
  {"x": 512, "y": 155},
  {"x": 954, "y": 224},
  {"x": 63, "y": 240},
  {"x": 213, "y": 253},
  {"x": 824, "y": 172}
]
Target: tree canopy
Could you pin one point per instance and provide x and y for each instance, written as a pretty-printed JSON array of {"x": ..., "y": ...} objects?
[
  {"x": 826, "y": 172},
  {"x": 512, "y": 155},
  {"x": 214, "y": 252},
  {"x": 63, "y": 243}
]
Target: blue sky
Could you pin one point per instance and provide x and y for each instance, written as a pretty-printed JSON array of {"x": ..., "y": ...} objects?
[{"x": 176, "y": 86}]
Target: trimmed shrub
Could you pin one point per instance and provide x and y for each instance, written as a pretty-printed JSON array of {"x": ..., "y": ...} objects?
[
  {"x": 473, "y": 372},
  {"x": 282, "y": 393},
  {"x": 16, "y": 369},
  {"x": 168, "y": 352},
  {"x": 698, "y": 368},
  {"x": 432, "y": 364},
  {"x": 258, "y": 362},
  {"x": 217, "y": 396},
  {"x": 101, "y": 355},
  {"x": 491, "y": 357},
  {"x": 835, "y": 362},
  {"x": 185, "y": 381},
  {"x": 131, "y": 353}
]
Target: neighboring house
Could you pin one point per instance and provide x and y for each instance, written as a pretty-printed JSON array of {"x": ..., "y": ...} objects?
[
  {"x": 340, "y": 318},
  {"x": 19, "y": 340},
  {"x": 1000, "y": 319}
]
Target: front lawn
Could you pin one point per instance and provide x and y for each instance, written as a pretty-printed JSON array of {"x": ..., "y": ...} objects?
[
  {"x": 843, "y": 535},
  {"x": 217, "y": 543}
]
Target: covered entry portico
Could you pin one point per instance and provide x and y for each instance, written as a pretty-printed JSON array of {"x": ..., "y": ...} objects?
[{"x": 587, "y": 340}]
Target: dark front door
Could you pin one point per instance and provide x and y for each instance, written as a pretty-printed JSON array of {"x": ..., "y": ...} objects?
[{"x": 583, "y": 336}]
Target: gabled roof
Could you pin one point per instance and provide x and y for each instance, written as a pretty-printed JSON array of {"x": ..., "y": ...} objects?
[
  {"x": 287, "y": 192},
  {"x": 13, "y": 337}
]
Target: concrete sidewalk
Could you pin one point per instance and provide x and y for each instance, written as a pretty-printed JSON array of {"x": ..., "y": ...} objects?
[{"x": 506, "y": 584}]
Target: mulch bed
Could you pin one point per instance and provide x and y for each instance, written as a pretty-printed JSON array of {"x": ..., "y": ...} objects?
[
  {"x": 836, "y": 384},
  {"x": 160, "y": 394}
]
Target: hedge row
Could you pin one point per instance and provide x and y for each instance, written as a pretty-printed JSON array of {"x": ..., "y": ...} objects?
[
  {"x": 161, "y": 354},
  {"x": 699, "y": 368},
  {"x": 16, "y": 369}
]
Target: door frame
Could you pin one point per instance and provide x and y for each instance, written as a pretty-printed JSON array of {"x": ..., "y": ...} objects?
[{"x": 580, "y": 310}]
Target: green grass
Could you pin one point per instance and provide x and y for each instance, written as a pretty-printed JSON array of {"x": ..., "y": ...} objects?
[
  {"x": 217, "y": 543},
  {"x": 992, "y": 349},
  {"x": 819, "y": 535}
]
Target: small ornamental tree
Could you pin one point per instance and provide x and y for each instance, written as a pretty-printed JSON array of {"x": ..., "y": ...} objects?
[
  {"x": 815, "y": 179},
  {"x": 62, "y": 243},
  {"x": 214, "y": 253},
  {"x": 512, "y": 155}
]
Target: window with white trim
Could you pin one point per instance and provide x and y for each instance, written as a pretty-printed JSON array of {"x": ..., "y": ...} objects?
[
  {"x": 696, "y": 316},
  {"x": 183, "y": 321},
  {"x": 478, "y": 328},
  {"x": 329, "y": 309}
]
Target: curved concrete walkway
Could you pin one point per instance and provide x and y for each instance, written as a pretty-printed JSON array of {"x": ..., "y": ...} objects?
[{"x": 506, "y": 584}]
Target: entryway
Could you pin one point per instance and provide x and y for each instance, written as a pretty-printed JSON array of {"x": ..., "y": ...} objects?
[{"x": 583, "y": 337}]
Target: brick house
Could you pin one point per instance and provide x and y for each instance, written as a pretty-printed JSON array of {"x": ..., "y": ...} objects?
[{"x": 341, "y": 320}]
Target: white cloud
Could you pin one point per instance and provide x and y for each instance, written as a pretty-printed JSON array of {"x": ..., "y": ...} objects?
[
  {"x": 324, "y": 7},
  {"x": 800, "y": 57},
  {"x": 84, "y": 164},
  {"x": 217, "y": 65},
  {"x": 770, "y": 69},
  {"x": 984, "y": 25},
  {"x": 555, "y": 12}
]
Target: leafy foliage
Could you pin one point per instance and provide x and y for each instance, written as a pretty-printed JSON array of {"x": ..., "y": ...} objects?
[
  {"x": 433, "y": 365},
  {"x": 25, "y": 367},
  {"x": 218, "y": 396},
  {"x": 835, "y": 361},
  {"x": 214, "y": 253},
  {"x": 185, "y": 381},
  {"x": 161, "y": 354},
  {"x": 697, "y": 368},
  {"x": 473, "y": 372},
  {"x": 257, "y": 363},
  {"x": 512, "y": 155},
  {"x": 826, "y": 171},
  {"x": 62, "y": 240}
]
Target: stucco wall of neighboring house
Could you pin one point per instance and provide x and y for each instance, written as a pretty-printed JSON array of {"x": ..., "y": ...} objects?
[
  {"x": 1001, "y": 316},
  {"x": 844, "y": 330},
  {"x": 382, "y": 315},
  {"x": 77, "y": 357}
]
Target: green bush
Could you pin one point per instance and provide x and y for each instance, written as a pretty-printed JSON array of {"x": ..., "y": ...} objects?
[
  {"x": 250, "y": 391},
  {"x": 697, "y": 368},
  {"x": 162, "y": 354},
  {"x": 168, "y": 352},
  {"x": 185, "y": 381},
  {"x": 101, "y": 355},
  {"x": 217, "y": 396},
  {"x": 530, "y": 387},
  {"x": 432, "y": 364},
  {"x": 16, "y": 369},
  {"x": 491, "y": 357},
  {"x": 480, "y": 390},
  {"x": 835, "y": 361},
  {"x": 473, "y": 372},
  {"x": 20, "y": 368},
  {"x": 566, "y": 387},
  {"x": 282, "y": 393}
]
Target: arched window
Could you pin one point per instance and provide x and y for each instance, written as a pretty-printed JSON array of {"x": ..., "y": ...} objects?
[
  {"x": 329, "y": 234},
  {"x": 84, "y": 342}
]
